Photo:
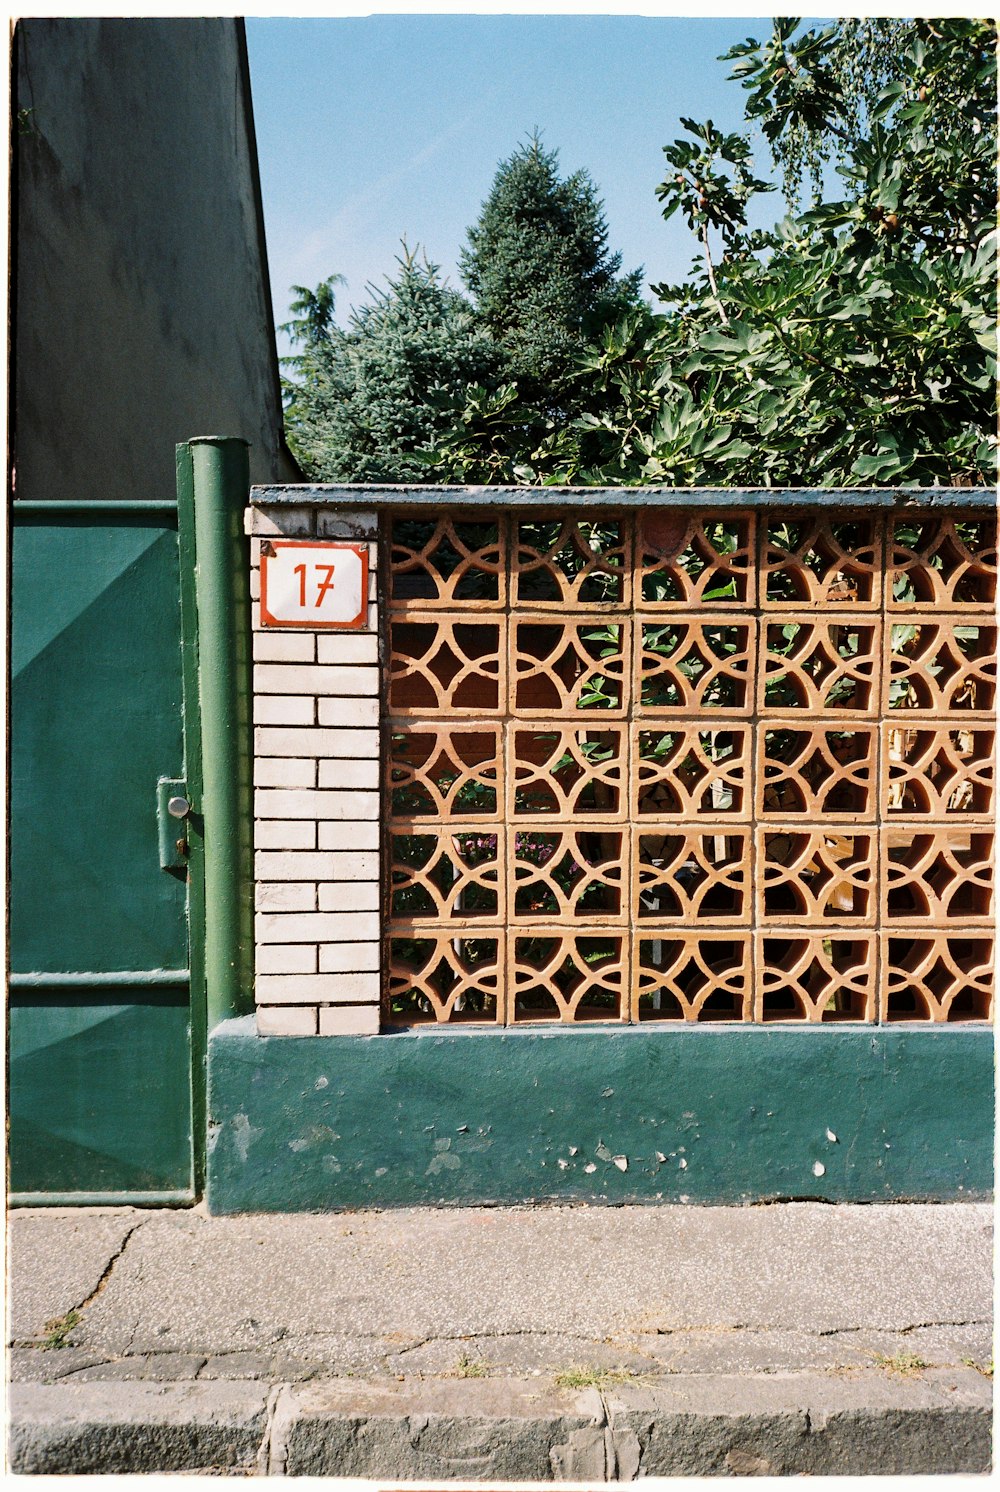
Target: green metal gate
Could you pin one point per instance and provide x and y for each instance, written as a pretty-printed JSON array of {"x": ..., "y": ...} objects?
[{"x": 107, "y": 997}]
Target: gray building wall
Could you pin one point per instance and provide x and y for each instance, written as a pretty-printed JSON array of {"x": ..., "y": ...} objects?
[{"x": 142, "y": 311}]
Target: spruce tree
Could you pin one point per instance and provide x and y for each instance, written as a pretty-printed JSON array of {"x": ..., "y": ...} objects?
[
  {"x": 540, "y": 273},
  {"x": 373, "y": 396}
]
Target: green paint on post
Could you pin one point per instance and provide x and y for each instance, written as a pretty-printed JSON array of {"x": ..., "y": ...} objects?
[
  {"x": 700, "y": 1115},
  {"x": 213, "y": 481},
  {"x": 193, "y": 778}
]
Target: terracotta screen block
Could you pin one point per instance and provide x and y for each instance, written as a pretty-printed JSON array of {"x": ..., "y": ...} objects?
[
  {"x": 825, "y": 562},
  {"x": 438, "y": 976},
  {"x": 942, "y": 560},
  {"x": 815, "y": 977},
  {"x": 567, "y": 772},
  {"x": 938, "y": 771},
  {"x": 448, "y": 561},
  {"x": 455, "y": 664},
  {"x": 816, "y": 877},
  {"x": 818, "y": 769},
  {"x": 936, "y": 667},
  {"x": 566, "y": 562},
  {"x": 686, "y": 559},
  {"x": 820, "y": 665},
  {"x": 693, "y": 977},
  {"x": 555, "y": 974},
  {"x": 694, "y": 875},
  {"x": 695, "y": 664},
  {"x": 936, "y": 877},
  {"x": 568, "y": 874},
  {"x": 569, "y": 666},
  {"x": 691, "y": 768},
  {"x": 449, "y": 772},
  {"x": 942, "y": 977},
  {"x": 440, "y": 875}
]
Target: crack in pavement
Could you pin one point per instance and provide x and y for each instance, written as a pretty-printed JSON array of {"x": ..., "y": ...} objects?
[
  {"x": 401, "y": 1350},
  {"x": 721, "y": 1328},
  {"x": 889, "y": 1331},
  {"x": 109, "y": 1267},
  {"x": 108, "y": 1362},
  {"x": 80, "y": 1306}
]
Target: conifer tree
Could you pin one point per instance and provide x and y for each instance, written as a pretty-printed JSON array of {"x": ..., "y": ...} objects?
[
  {"x": 371, "y": 397},
  {"x": 540, "y": 273}
]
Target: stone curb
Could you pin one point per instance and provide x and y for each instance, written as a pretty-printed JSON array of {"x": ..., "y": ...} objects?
[
  {"x": 132, "y": 1427},
  {"x": 865, "y": 1423}
]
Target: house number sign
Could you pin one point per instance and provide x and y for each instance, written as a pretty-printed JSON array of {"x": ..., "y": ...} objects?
[{"x": 305, "y": 584}]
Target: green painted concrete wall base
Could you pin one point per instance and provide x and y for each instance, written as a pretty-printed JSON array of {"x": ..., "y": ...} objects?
[{"x": 700, "y": 1115}]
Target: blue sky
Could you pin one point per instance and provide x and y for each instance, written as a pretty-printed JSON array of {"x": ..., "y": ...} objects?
[{"x": 371, "y": 129}]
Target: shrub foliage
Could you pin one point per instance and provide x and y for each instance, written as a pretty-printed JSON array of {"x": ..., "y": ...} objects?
[{"x": 854, "y": 343}]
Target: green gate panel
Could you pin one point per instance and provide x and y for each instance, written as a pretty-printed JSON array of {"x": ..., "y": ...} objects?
[
  {"x": 95, "y": 720},
  {"x": 100, "y": 1076},
  {"x": 692, "y": 1114},
  {"x": 100, "y": 1094}
]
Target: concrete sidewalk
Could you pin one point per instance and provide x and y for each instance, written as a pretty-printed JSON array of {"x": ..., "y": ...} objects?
[{"x": 570, "y": 1343}]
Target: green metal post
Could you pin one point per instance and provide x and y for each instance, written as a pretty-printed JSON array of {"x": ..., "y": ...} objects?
[{"x": 219, "y": 483}]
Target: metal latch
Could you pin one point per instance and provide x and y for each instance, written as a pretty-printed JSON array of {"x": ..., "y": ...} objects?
[{"x": 172, "y": 809}]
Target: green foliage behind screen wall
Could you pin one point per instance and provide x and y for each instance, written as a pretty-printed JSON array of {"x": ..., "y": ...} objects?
[{"x": 852, "y": 344}]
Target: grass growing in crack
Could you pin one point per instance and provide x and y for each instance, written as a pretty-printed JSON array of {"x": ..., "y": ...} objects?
[
  {"x": 904, "y": 1363},
  {"x": 584, "y": 1377},
  {"x": 986, "y": 1368},
  {"x": 470, "y": 1367},
  {"x": 59, "y": 1329}
]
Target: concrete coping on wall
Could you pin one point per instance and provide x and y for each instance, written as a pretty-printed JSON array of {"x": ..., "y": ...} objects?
[{"x": 402, "y": 495}]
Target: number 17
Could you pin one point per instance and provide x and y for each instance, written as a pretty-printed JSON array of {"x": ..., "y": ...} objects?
[{"x": 323, "y": 586}]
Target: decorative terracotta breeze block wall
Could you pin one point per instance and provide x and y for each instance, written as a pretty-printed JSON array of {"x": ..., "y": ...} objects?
[
  {"x": 316, "y": 796},
  {"x": 667, "y": 766},
  {"x": 664, "y": 765}
]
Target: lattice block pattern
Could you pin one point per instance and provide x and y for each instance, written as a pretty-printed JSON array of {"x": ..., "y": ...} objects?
[
  {"x": 942, "y": 977},
  {"x": 443, "y": 875},
  {"x": 445, "y": 771},
  {"x": 692, "y": 976},
  {"x": 937, "y": 667},
  {"x": 936, "y": 877},
  {"x": 809, "y": 876},
  {"x": 444, "y": 663},
  {"x": 944, "y": 560},
  {"x": 820, "y": 664},
  {"x": 569, "y": 666},
  {"x": 693, "y": 874},
  {"x": 820, "y": 770},
  {"x": 693, "y": 768},
  {"x": 689, "y": 764},
  {"x": 938, "y": 771},
  {"x": 695, "y": 664},
  {"x": 558, "y": 975},
  {"x": 567, "y": 772},
  {"x": 438, "y": 976},
  {"x": 827, "y": 976},
  {"x": 571, "y": 874},
  {"x": 572, "y": 562},
  {"x": 823, "y": 562},
  {"x": 445, "y": 561},
  {"x": 688, "y": 559}
]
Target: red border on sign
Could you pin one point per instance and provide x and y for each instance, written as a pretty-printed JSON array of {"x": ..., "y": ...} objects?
[{"x": 361, "y": 550}]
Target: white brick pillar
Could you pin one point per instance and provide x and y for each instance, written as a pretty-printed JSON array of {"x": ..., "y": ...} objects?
[{"x": 316, "y": 803}]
